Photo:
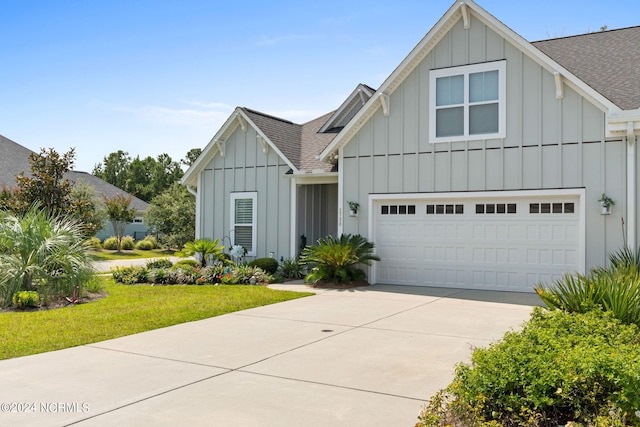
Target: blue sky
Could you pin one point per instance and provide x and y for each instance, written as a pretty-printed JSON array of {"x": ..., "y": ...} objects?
[{"x": 156, "y": 76}]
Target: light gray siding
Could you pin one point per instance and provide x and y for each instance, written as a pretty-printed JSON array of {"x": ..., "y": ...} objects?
[
  {"x": 550, "y": 143},
  {"x": 246, "y": 168}
]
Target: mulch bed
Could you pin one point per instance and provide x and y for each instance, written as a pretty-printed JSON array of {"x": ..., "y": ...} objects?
[
  {"x": 57, "y": 303},
  {"x": 323, "y": 284}
]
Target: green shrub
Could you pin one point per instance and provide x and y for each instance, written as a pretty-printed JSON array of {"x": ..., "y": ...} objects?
[
  {"x": 144, "y": 245},
  {"x": 127, "y": 243},
  {"x": 276, "y": 278},
  {"x": 151, "y": 239},
  {"x": 269, "y": 265},
  {"x": 130, "y": 275},
  {"x": 562, "y": 367},
  {"x": 292, "y": 269},
  {"x": 93, "y": 243},
  {"x": 110, "y": 243},
  {"x": 245, "y": 275},
  {"x": 24, "y": 299},
  {"x": 615, "y": 289},
  {"x": 186, "y": 262},
  {"x": 159, "y": 263},
  {"x": 213, "y": 274},
  {"x": 335, "y": 260}
]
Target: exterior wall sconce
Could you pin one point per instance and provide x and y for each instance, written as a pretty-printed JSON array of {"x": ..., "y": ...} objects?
[
  {"x": 353, "y": 208},
  {"x": 272, "y": 254},
  {"x": 605, "y": 204}
]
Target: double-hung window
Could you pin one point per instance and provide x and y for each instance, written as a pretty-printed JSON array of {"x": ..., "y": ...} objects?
[
  {"x": 467, "y": 102},
  {"x": 243, "y": 221}
]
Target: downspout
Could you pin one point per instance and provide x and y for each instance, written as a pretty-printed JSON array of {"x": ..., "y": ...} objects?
[
  {"x": 191, "y": 190},
  {"x": 631, "y": 187}
]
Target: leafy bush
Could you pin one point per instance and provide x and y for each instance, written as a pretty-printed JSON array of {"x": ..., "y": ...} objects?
[
  {"x": 562, "y": 367},
  {"x": 130, "y": 275},
  {"x": 110, "y": 243},
  {"x": 335, "y": 260},
  {"x": 144, "y": 245},
  {"x": 24, "y": 299},
  {"x": 291, "y": 269},
  {"x": 93, "y": 243},
  {"x": 151, "y": 239},
  {"x": 159, "y": 263},
  {"x": 187, "y": 262},
  {"x": 269, "y": 265},
  {"x": 245, "y": 275},
  {"x": 615, "y": 289},
  {"x": 127, "y": 243},
  {"x": 212, "y": 274}
]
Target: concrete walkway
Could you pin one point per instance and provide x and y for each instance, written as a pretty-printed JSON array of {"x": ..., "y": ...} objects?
[{"x": 368, "y": 356}]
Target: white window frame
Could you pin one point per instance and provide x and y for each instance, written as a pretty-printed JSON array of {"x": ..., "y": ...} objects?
[
  {"x": 254, "y": 197},
  {"x": 465, "y": 70}
]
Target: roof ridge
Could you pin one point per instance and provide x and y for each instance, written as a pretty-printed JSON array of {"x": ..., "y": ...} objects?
[
  {"x": 593, "y": 33},
  {"x": 268, "y": 116}
]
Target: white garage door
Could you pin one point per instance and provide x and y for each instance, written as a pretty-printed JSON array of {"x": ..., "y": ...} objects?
[{"x": 495, "y": 243}]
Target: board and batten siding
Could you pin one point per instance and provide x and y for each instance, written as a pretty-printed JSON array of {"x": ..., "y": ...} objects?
[
  {"x": 550, "y": 143},
  {"x": 244, "y": 168}
]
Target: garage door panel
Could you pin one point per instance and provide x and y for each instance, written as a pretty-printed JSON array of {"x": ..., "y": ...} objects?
[{"x": 503, "y": 245}]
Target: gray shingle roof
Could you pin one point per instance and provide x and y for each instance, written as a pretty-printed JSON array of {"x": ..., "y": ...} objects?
[
  {"x": 299, "y": 143},
  {"x": 608, "y": 61},
  {"x": 14, "y": 159}
]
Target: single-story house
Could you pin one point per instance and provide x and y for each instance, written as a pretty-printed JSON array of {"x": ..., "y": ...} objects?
[
  {"x": 14, "y": 159},
  {"x": 481, "y": 162}
]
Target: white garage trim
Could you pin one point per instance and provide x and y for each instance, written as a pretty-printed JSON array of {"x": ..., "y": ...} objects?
[{"x": 578, "y": 193}]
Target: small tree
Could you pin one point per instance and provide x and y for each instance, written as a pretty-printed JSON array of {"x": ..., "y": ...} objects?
[
  {"x": 120, "y": 213},
  {"x": 172, "y": 214}
]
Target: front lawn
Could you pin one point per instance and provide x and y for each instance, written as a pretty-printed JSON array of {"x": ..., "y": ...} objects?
[
  {"x": 127, "y": 310},
  {"x": 104, "y": 255}
]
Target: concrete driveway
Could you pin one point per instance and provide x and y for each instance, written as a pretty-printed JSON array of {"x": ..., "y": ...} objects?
[{"x": 368, "y": 356}]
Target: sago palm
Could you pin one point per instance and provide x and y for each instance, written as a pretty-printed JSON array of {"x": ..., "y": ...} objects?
[{"x": 336, "y": 260}]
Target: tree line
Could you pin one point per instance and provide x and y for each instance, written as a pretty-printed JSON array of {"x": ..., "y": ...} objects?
[{"x": 171, "y": 215}]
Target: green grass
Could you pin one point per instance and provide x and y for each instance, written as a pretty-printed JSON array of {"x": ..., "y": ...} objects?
[
  {"x": 127, "y": 310},
  {"x": 133, "y": 254}
]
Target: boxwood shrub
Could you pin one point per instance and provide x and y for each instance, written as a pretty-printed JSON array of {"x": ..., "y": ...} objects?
[
  {"x": 560, "y": 368},
  {"x": 270, "y": 265}
]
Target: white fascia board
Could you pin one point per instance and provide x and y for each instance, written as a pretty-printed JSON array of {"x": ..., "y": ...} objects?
[
  {"x": 618, "y": 124},
  {"x": 429, "y": 41},
  {"x": 314, "y": 178},
  {"x": 209, "y": 152},
  {"x": 267, "y": 140}
]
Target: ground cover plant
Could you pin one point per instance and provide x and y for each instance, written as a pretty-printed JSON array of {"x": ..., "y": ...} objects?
[
  {"x": 190, "y": 273},
  {"x": 126, "y": 310}
]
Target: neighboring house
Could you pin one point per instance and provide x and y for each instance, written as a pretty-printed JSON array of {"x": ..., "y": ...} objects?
[
  {"x": 14, "y": 159},
  {"x": 479, "y": 163}
]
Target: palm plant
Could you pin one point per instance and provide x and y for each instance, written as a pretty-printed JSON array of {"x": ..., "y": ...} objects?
[
  {"x": 336, "y": 260},
  {"x": 43, "y": 252},
  {"x": 615, "y": 289},
  {"x": 203, "y": 250}
]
